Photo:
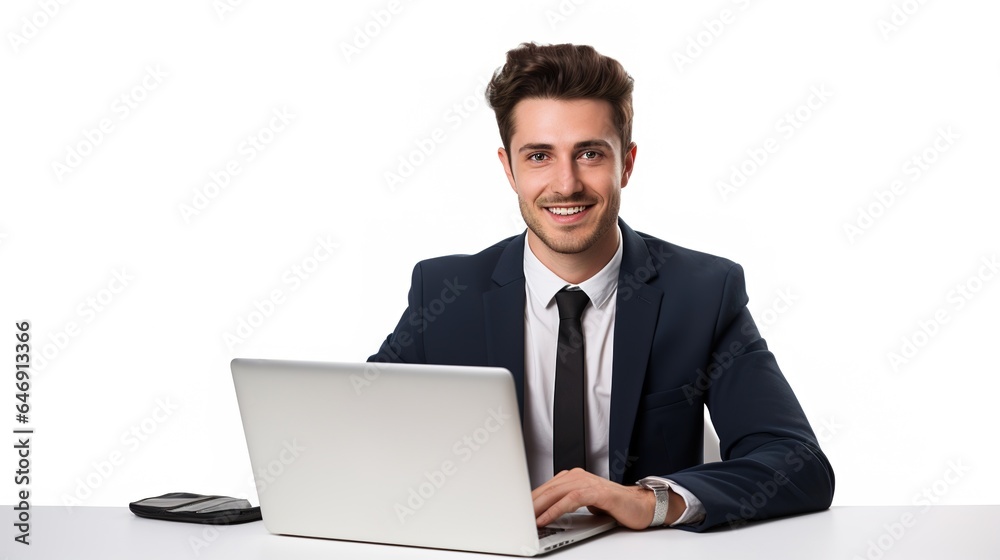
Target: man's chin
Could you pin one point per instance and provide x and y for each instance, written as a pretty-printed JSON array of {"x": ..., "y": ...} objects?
[
  {"x": 569, "y": 239},
  {"x": 567, "y": 243}
]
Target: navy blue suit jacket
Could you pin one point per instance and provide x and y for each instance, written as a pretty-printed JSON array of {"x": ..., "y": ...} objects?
[{"x": 683, "y": 340}]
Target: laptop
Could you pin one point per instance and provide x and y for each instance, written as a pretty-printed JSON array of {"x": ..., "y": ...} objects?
[{"x": 416, "y": 455}]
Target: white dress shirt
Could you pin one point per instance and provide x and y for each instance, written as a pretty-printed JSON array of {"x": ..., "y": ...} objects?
[{"x": 541, "y": 334}]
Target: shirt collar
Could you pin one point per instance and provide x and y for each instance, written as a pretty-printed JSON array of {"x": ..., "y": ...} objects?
[{"x": 543, "y": 283}]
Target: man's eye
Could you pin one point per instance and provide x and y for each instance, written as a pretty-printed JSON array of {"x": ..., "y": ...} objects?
[
  {"x": 590, "y": 154},
  {"x": 537, "y": 157}
]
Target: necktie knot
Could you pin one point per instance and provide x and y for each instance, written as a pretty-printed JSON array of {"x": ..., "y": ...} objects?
[{"x": 571, "y": 303}]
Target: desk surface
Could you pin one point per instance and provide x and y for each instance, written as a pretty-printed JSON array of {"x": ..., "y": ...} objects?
[{"x": 844, "y": 533}]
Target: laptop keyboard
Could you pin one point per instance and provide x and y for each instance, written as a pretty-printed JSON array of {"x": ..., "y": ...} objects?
[{"x": 548, "y": 531}]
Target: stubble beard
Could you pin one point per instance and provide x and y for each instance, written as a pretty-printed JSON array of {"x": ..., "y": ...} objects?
[{"x": 568, "y": 243}]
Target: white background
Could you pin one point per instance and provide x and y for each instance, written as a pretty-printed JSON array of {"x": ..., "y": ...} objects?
[{"x": 153, "y": 358}]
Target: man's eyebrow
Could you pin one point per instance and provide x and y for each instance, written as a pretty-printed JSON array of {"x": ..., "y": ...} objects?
[
  {"x": 595, "y": 143},
  {"x": 532, "y": 147}
]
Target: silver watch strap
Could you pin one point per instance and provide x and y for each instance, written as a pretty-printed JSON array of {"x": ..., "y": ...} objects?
[{"x": 662, "y": 500}]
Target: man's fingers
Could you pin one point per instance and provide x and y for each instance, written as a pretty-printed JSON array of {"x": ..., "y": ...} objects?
[
  {"x": 548, "y": 494},
  {"x": 631, "y": 507},
  {"x": 563, "y": 483},
  {"x": 567, "y": 504},
  {"x": 561, "y": 478}
]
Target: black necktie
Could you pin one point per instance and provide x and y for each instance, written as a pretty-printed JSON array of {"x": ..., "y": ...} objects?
[{"x": 569, "y": 448}]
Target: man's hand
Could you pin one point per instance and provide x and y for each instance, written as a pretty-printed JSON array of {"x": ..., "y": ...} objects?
[{"x": 631, "y": 506}]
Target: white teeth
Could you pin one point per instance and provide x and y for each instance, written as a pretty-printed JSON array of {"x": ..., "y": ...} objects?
[{"x": 567, "y": 211}]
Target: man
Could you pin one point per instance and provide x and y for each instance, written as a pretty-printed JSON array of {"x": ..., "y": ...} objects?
[{"x": 665, "y": 330}]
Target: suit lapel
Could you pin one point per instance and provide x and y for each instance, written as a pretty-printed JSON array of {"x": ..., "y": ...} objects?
[
  {"x": 638, "y": 308},
  {"x": 504, "y": 315}
]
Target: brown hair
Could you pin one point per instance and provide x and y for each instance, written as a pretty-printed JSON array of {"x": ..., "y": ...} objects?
[{"x": 562, "y": 72}]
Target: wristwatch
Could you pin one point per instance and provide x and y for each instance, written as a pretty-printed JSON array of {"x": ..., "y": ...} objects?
[{"x": 659, "y": 489}]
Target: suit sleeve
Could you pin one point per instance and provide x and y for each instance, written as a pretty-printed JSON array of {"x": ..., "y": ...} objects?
[
  {"x": 772, "y": 463},
  {"x": 405, "y": 343}
]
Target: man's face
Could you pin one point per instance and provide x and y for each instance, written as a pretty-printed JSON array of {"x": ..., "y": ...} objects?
[{"x": 567, "y": 169}]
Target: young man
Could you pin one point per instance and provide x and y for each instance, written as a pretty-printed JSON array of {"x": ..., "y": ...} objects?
[{"x": 616, "y": 340}]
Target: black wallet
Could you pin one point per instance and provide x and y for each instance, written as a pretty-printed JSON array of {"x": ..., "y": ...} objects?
[{"x": 196, "y": 508}]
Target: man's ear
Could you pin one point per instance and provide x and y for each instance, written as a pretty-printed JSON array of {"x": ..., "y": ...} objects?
[
  {"x": 628, "y": 163},
  {"x": 505, "y": 161}
]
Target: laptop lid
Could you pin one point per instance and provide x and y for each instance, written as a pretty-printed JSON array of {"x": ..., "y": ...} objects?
[{"x": 419, "y": 455}]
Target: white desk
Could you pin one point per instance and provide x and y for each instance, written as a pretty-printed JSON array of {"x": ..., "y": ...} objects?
[{"x": 843, "y": 533}]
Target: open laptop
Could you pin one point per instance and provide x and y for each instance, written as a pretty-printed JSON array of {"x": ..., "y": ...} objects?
[{"x": 417, "y": 455}]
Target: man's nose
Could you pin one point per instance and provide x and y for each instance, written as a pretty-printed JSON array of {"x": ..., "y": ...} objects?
[{"x": 567, "y": 177}]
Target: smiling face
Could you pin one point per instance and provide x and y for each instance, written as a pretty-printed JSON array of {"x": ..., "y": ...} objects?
[{"x": 567, "y": 168}]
